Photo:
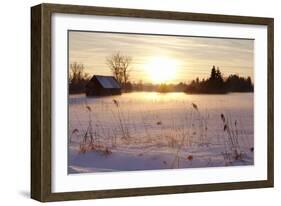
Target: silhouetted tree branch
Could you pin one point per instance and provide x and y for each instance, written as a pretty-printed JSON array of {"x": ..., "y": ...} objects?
[
  {"x": 120, "y": 67},
  {"x": 78, "y": 78}
]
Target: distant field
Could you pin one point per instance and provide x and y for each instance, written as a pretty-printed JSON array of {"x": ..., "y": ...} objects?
[{"x": 148, "y": 130}]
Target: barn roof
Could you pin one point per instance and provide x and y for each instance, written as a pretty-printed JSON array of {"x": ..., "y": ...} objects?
[{"x": 108, "y": 82}]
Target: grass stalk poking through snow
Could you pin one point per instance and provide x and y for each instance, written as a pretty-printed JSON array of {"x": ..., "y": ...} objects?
[
  {"x": 232, "y": 137},
  {"x": 120, "y": 117}
]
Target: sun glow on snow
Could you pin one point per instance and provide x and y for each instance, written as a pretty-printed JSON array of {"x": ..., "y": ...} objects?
[{"x": 161, "y": 69}]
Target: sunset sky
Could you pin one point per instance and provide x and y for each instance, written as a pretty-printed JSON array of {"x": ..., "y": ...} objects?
[{"x": 162, "y": 59}]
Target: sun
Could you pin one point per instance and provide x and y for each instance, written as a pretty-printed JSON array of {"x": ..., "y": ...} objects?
[{"x": 161, "y": 69}]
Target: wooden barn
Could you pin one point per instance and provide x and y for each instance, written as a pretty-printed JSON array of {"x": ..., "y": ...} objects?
[{"x": 103, "y": 86}]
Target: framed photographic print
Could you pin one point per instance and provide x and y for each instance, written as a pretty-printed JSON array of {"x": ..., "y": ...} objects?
[{"x": 132, "y": 102}]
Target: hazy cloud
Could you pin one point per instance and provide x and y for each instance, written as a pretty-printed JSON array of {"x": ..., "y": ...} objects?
[{"x": 195, "y": 55}]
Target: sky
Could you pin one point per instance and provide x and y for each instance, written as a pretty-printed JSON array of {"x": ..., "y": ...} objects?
[{"x": 162, "y": 59}]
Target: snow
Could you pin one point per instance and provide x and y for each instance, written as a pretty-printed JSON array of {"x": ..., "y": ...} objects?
[{"x": 149, "y": 131}]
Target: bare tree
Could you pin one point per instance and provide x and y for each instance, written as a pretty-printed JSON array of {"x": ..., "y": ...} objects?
[
  {"x": 120, "y": 67},
  {"x": 78, "y": 78},
  {"x": 77, "y": 73}
]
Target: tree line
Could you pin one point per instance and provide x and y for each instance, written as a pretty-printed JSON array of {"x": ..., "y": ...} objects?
[
  {"x": 216, "y": 84},
  {"x": 120, "y": 67},
  {"x": 78, "y": 78},
  {"x": 118, "y": 64}
]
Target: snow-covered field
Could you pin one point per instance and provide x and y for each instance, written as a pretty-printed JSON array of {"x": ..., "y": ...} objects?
[{"x": 148, "y": 130}]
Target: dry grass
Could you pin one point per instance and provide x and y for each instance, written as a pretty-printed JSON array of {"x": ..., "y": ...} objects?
[{"x": 192, "y": 131}]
